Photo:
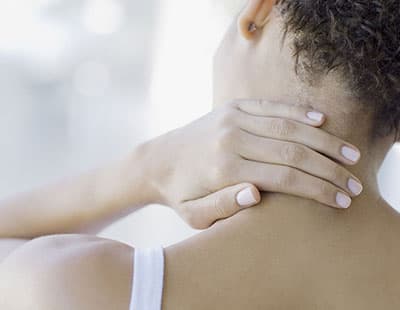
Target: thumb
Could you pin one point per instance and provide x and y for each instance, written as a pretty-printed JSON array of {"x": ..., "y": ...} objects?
[{"x": 202, "y": 213}]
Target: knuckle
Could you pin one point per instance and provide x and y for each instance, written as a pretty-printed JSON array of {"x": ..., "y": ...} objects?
[
  {"x": 293, "y": 154},
  {"x": 325, "y": 191},
  {"x": 220, "y": 208},
  {"x": 227, "y": 137},
  {"x": 297, "y": 110},
  {"x": 327, "y": 143},
  {"x": 281, "y": 127},
  {"x": 286, "y": 179},
  {"x": 337, "y": 174},
  {"x": 293, "y": 110},
  {"x": 223, "y": 171},
  {"x": 226, "y": 117}
]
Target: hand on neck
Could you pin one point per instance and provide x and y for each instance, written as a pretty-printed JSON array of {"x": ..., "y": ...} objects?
[{"x": 264, "y": 68}]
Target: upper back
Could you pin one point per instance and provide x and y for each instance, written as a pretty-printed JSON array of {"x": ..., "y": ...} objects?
[{"x": 289, "y": 253}]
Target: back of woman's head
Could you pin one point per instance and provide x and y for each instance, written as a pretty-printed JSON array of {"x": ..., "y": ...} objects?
[{"x": 358, "y": 38}]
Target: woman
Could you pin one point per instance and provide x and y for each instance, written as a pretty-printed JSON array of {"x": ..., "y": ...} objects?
[
  {"x": 184, "y": 173},
  {"x": 287, "y": 252}
]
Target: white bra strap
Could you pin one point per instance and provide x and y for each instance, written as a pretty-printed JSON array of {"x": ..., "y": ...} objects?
[{"x": 148, "y": 279}]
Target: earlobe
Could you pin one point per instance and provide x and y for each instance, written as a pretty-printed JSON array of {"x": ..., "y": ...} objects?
[{"x": 254, "y": 16}]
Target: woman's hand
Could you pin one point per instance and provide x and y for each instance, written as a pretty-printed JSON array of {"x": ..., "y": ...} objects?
[{"x": 212, "y": 168}]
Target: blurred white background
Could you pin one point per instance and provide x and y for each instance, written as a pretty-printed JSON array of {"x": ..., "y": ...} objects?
[{"x": 83, "y": 81}]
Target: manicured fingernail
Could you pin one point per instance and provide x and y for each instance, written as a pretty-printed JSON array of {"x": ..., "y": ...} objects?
[
  {"x": 351, "y": 154},
  {"x": 315, "y": 116},
  {"x": 343, "y": 200},
  {"x": 247, "y": 198},
  {"x": 355, "y": 187}
]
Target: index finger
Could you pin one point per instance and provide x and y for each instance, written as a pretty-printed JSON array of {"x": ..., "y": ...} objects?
[{"x": 260, "y": 107}]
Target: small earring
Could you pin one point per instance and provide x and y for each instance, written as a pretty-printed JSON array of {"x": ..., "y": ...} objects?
[{"x": 252, "y": 27}]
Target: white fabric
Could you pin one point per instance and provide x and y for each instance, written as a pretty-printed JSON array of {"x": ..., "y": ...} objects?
[{"x": 148, "y": 279}]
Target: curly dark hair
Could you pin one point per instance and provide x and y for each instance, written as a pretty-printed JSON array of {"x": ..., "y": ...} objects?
[{"x": 360, "y": 39}]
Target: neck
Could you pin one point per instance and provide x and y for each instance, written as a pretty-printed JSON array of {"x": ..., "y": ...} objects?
[
  {"x": 347, "y": 120},
  {"x": 351, "y": 122},
  {"x": 268, "y": 73}
]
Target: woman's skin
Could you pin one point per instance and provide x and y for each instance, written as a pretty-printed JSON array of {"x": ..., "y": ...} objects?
[
  {"x": 86, "y": 200},
  {"x": 290, "y": 253},
  {"x": 286, "y": 253},
  {"x": 202, "y": 148}
]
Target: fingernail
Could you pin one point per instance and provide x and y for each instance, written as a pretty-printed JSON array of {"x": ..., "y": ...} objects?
[
  {"x": 315, "y": 116},
  {"x": 351, "y": 154},
  {"x": 355, "y": 187},
  {"x": 246, "y": 198},
  {"x": 343, "y": 200}
]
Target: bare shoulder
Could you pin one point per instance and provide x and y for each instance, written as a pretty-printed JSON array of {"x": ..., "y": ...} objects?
[
  {"x": 67, "y": 272},
  {"x": 289, "y": 253}
]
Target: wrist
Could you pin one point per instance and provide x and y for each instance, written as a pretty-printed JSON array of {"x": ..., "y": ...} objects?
[
  {"x": 144, "y": 170},
  {"x": 127, "y": 183}
]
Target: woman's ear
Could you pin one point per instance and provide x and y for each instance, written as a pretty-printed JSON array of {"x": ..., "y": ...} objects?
[{"x": 254, "y": 16}]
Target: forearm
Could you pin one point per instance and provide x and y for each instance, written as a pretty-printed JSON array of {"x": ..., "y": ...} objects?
[{"x": 73, "y": 204}]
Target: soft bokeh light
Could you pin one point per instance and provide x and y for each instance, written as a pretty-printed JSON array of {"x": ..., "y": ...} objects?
[
  {"x": 92, "y": 78},
  {"x": 22, "y": 30},
  {"x": 103, "y": 16},
  {"x": 21, "y": 18},
  {"x": 183, "y": 56}
]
